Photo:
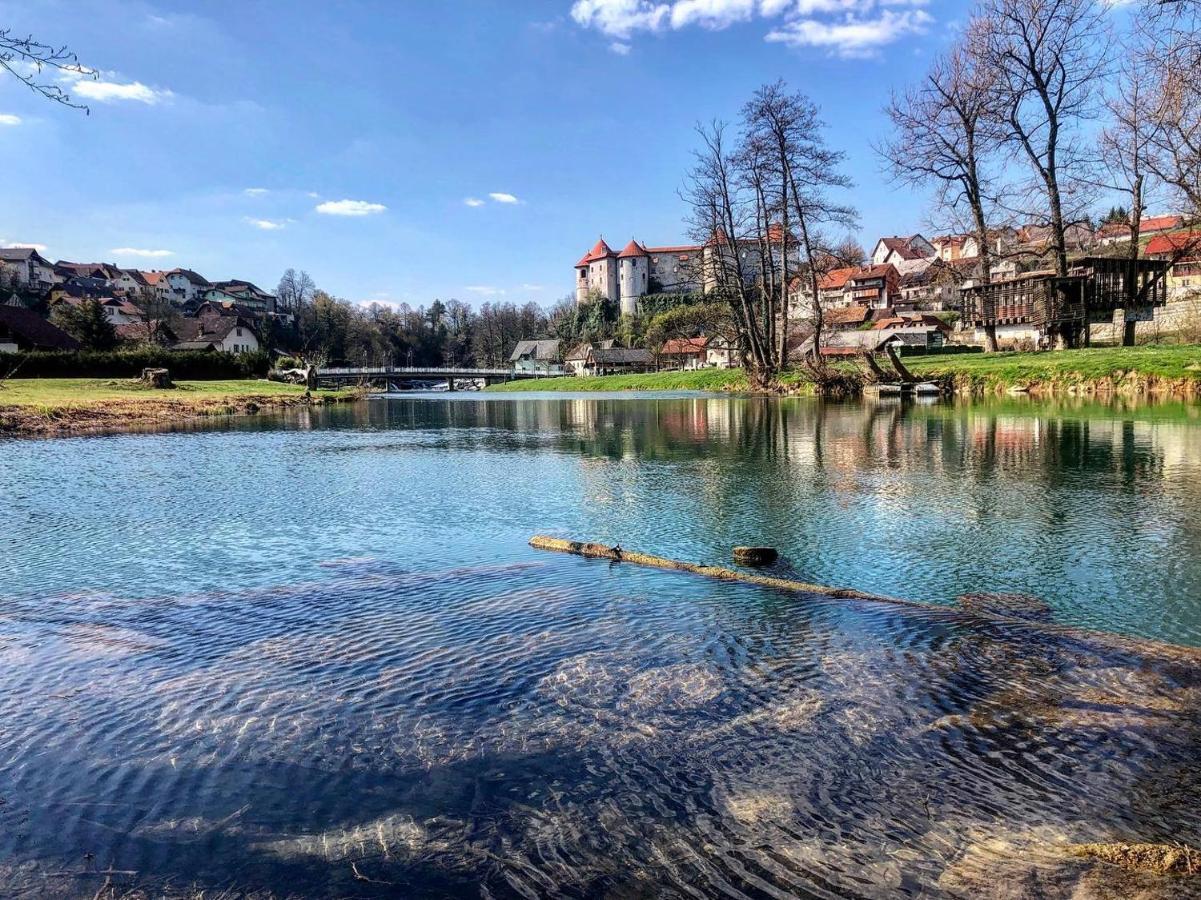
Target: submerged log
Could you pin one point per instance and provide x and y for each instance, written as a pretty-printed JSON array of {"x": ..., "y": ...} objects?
[
  {"x": 1103, "y": 639},
  {"x": 617, "y": 554}
]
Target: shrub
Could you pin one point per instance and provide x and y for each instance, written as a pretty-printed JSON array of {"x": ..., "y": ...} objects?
[{"x": 194, "y": 365}]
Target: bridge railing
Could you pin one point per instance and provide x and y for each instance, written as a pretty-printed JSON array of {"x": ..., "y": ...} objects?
[{"x": 429, "y": 372}]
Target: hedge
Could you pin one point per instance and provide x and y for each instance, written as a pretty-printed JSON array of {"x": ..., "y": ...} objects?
[
  {"x": 195, "y": 365},
  {"x": 944, "y": 350}
]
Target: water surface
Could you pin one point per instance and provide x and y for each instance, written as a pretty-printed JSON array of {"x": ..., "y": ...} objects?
[{"x": 314, "y": 656}]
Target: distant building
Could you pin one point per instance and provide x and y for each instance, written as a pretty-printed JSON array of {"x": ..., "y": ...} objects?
[
  {"x": 618, "y": 360},
  {"x": 684, "y": 353},
  {"x": 27, "y": 268},
  {"x": 1119, "y": 232},
  {"x": 187, "y": 286},
  {"x": 23, "y": 329},
  {"x": 1184, "y": 277},
  {"x": 226, "y": 334},
  {"x": 637, "y": 270},
  {"x": 899, "y": 249},
  {"x": 537, "y": 356},
  {"x": 117, "y": 310}
]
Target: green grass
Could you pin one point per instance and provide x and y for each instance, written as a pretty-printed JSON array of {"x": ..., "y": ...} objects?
[
  {"x": 76, "y": 392},
  {"x": 699, "y": 380},
  {"x": 1064, "y": 367}
]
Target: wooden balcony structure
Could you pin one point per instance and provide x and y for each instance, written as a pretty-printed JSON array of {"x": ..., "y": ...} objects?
[{"x": 1063, "y": 307}]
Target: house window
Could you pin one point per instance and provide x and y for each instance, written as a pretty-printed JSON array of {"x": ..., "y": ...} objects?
[{"x": 239, "y": 332}]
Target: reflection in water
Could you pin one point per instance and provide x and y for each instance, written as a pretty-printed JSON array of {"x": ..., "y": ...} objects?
[{"x": 320, "y": 660}]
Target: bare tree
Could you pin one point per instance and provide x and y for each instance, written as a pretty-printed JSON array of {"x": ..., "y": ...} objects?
[
  {"x": 156, "y": 316},
  {"x": 807, "y": 171},
  {"x": 1127, "y": 147},
  {"x": 945, "y": 134},
  {"x": 1168, "y": 35},
  {"x": 27, "y": 60},
  {"x": 1047, "y": 60}
]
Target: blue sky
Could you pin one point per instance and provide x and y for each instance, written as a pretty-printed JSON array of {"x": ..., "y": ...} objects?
[{"x": 483, "y": 144}]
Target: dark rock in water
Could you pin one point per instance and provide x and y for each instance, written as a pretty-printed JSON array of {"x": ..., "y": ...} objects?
[
  {"x": 1016, "y": 606},
  {"x": 755, "y": 556}
]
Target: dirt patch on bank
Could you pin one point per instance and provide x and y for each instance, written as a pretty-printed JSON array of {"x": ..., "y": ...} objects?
[{"x": 133, "y": 413}]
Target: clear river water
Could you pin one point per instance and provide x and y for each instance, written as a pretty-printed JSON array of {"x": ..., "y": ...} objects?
[{"x": 312, "y": 655}]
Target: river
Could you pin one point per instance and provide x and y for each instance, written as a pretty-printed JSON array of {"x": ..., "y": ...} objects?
[{"x": 312, "y": 654}]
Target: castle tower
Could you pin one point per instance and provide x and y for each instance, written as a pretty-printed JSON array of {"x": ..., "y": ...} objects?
[
  {"x": 633, "y": 272},
  {"x": 596, "y": 273}
]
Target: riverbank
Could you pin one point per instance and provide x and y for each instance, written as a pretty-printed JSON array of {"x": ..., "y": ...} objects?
[
  {"x": 712, "y": 380},
  {"x": 1130, "y": 371},
  {"x": 40, "y": 406},
  {"x": 1167, "y": 371}
]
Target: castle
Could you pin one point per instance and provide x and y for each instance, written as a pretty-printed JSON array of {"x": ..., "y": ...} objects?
[
  {"x": 638, "y": 269},
  {"x": 624, "y": 277}
]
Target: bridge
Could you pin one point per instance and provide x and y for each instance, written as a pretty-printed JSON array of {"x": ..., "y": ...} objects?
[{"x": 389, "y": 377}]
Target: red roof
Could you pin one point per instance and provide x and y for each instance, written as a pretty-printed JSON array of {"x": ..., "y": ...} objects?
[
  {"x": 836, "y": 278},
  {"x": 684, "y": 248},
  {"x": 846, "y": 315},
  {"x": 600, "y": 250},
  {"x": 880, "y": 271},
  {"x": 632, "y": 249},
  {"x": 1174, "y": 243},
  {"x": 902, "y": 247},
  {"x": 1160, "y": 223},
  {"x": 685, "y": 346}
]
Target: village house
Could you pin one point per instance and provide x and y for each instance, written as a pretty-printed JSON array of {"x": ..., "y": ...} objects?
[
  {"x": 186, "y": 286},
  {"x": 157, "y": 283},
  {"x": 226, "y": 334},
  {"x": 117, "y": 310},
  {"x": 876, "y": 286},
  {"x": 684, "y": 353},
  {"x": 1119, "y": 232},
  {"x": 618, "y": 361},
  {"x": 245, "y": 293},
  {"x": 898, "y": 249},
  {"x": 1184, "y": 277},
  {"x": 537, "y": 356},
  {"x": 27, "y": 268},
  {"x": 831, "y": 289},
  {"x": 22, "y": 329}
]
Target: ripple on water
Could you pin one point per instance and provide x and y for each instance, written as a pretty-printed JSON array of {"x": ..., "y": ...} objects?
[{"x": 573, "y": 729}]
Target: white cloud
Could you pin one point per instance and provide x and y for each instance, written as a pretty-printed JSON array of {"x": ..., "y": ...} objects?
[
  {"x": 531, "y": 287},
  {"x": 23, "y": 244},
  {"x": 501, "y": 197},
  {"x": 620, "y": 18},
  {"x": 314, "y": 195},
  {"x": 255, "y": 192},
  {"x": 9, "y": 119},
  {"x": 848, "y": 28},
  {"x": 473, "y": 202},
  {"x": 265, "y": 224},
  {"x": 114, "y": 91},
  {"x": 349, "y": 208},
  {"x": 486, "y": 290},
  {"x": 137, "y": 251},
  {"x": 852, "y": 37}
]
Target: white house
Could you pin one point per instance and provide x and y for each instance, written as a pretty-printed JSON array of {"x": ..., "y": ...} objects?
[
  {"x": 227, "y": 334},
  {"x": 899, "y": 249},
  {"x": 187, "y": 285},
  {"x": 537, "y": 356}
]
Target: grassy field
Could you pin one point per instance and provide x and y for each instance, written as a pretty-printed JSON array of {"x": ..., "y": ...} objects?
[
  {"x": 699, "y": 380},
  {"x": 1066, "y": 368},
  {"x": 1133, "y": 369},
  {"x": 47, "y": 405}
]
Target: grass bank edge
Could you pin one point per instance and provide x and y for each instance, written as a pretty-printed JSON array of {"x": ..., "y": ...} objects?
[{"x": 49, "y": 405}]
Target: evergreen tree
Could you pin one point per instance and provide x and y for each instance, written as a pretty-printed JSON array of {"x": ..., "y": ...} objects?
[{"x": 87, "y": 323}]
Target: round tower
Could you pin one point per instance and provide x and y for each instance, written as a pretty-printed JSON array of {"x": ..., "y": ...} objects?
[{"x": 633, "y": 272}]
